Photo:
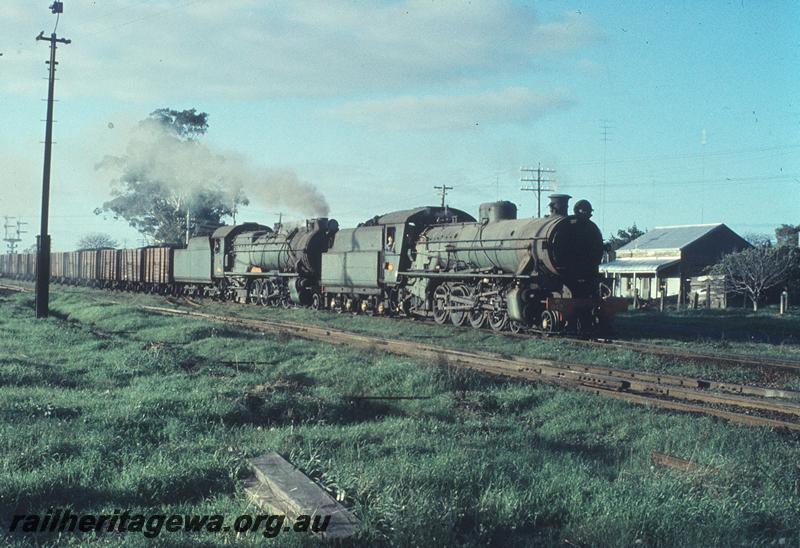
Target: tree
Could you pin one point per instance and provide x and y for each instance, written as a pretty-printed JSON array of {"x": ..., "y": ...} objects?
[
  {"x": 187, "y": 124},
  {"x": 753, "y": 271},
  {"x": 96, "y": 240},
  {"x": 786, "y": 235},
  {"x": 168, "y": 178},
  {"x": 623, "y": 237},
  {"x": 757, "y": 239}
]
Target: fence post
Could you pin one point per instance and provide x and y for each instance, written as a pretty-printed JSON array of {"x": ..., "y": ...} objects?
[{"x": 784, "y": 302}]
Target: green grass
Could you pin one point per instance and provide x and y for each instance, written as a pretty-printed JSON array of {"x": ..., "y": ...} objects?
[{"x": 105, "y": 407}]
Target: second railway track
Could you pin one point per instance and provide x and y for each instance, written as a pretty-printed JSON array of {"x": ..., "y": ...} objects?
[{"x": 665, "y": 391}]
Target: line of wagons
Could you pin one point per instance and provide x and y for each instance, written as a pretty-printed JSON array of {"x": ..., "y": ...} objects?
[{"x": 144, "y": 269}]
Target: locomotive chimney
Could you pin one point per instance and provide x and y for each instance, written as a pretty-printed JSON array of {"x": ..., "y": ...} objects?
[{"x": 559, "y": 204}]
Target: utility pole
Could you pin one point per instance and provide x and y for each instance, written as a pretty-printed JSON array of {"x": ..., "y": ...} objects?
[
  {"x": 538, "y": 180},
  {"x": 13, "y": 238},
  {"x": 43, "y": 240},
  {"x": 443, "y": 193},
  {"x": 604, "y": 127},
  {"x": 188, "y": 229},
  {"x": 703, "y": 142}
]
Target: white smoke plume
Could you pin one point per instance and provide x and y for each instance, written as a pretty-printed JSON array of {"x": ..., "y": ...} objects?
[{"x": 154, "y": 153}]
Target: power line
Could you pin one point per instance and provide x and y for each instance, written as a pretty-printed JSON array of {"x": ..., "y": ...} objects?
[
  {"x": 143, "y": 18},
  {"x": 725, "y": 181},
  {"x": 538, "y": 180}
]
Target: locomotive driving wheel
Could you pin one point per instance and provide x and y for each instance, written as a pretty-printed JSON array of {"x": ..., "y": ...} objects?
[
  {"x": 460, "y": 293},
  {"x": 516, "y": 327},
  {"x": 264, "y": 290},
  {"x": 477, "y": 315},
  {"x": 498, "y": 320},
  {"x": 477, "y": 318},
  {"x": 440, "y": 312}
]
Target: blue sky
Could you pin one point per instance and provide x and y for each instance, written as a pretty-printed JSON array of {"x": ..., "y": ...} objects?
[{"x": 375, "y": 103}]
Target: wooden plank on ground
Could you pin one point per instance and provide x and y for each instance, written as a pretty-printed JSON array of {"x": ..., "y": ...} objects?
[
  {"x": 280, "y": 488},
  {"x": 675, "y": 463}
]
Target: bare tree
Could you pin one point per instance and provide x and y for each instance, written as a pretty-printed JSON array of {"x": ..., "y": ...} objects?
[
  {"x": 753, "y": 271},
  {"x": 758, "y": 239},
  {"x": 96, "y": 240}
]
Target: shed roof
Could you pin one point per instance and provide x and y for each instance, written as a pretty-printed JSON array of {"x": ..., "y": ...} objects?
[
  {"x": 623, "y": 266},
  {"x": 671, "y": 237}
]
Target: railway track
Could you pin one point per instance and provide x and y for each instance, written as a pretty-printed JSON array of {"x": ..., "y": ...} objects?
[
  {"x": 743, "y": 404},
  {"x": 723, "y": 359},
  {"x": 717, "y": 358},
  {"x": 15, "y": 288},
  {"x": 732, "y": 402}
]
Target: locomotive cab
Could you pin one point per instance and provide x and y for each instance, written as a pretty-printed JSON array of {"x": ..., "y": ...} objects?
[{"x": 222, "y": 249}]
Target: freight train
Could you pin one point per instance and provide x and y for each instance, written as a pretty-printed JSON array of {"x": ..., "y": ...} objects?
[{"x": 433, "y": 262}]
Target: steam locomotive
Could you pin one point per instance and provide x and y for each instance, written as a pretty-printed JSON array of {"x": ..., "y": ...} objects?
[{"x": 433, "y": 262}]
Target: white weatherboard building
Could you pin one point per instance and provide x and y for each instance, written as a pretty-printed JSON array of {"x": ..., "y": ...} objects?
[{"x": 669, "y": 256}]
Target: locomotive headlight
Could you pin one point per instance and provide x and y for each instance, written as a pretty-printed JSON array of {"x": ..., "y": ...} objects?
[{"x": 389, "y": 266}]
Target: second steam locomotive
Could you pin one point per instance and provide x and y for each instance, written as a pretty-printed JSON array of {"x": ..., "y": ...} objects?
[{"x": 497, "y": 271}]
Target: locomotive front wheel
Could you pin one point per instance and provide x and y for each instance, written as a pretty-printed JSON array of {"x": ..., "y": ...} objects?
[
  {"x": 550, "y": 321},
  {"x": 316, "y": 301}
]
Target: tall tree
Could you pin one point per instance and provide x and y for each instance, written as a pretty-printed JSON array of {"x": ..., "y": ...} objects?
[
  {"x": 754, "y": 270},
  {"x": 187, "y": 124},
  {"x": 623, "y": 237},
  {"x": 96, "y": 240},
  {"x": 166, "y": 176},
  {"x": 787, "y": 235}
]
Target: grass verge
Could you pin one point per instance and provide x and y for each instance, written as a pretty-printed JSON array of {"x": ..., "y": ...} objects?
[{"x": 103, "y": 407}]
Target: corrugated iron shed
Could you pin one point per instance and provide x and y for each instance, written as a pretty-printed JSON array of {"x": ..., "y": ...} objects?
[{"x": 671, "y": 237}]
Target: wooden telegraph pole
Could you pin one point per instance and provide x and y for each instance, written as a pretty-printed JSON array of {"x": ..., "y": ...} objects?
[
  {"x": 538, "y": 180},
  {"x": 43, "y": 240}
]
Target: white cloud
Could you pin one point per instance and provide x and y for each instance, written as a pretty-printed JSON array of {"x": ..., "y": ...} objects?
[
  {"x": 255, "y": 49},
  {"x": 592, "y": 68},
  {"x": 514, "y": 105}
]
